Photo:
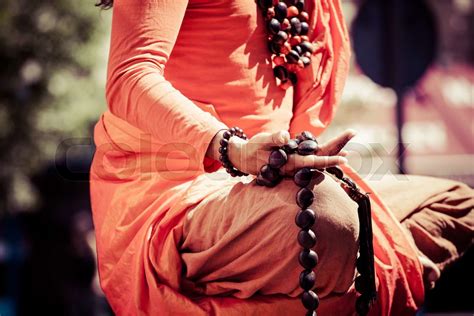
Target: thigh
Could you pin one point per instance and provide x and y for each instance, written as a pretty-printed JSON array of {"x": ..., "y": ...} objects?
[{"x": 242, "y": 240}]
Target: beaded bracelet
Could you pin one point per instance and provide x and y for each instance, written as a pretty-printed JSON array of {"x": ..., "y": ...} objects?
[
  {"x": 270, "y": 175},
  {"x": 224, "y": 150}
]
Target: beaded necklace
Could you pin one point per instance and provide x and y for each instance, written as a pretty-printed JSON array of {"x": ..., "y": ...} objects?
[{"x": 287, "y": 25}]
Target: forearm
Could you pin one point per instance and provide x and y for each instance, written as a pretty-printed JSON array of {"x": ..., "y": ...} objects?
[{"x": 137, "y": 91}]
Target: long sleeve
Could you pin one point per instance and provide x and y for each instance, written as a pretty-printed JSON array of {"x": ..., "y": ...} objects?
[
  {"x": 320, "y": 86},
  {"x": 143, "y": 35}
]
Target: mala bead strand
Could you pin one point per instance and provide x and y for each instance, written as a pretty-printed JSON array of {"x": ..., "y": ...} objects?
[
  {"x": 365, "y": 281},
  {"x": 287, "y": 26},
  {"x": 305, "y": 219},
  {"x": 224, "y": 150},
  {"x": 270, "y": 175}
]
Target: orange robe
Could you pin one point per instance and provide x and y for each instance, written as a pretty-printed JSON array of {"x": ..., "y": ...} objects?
[{"x": 178, "y": 72}]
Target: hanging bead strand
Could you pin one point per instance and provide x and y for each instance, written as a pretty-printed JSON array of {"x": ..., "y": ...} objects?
[{"x": 270, "y": 175}]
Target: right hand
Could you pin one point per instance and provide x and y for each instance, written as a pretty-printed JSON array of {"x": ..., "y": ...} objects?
[{"x": 250, "y": 155}]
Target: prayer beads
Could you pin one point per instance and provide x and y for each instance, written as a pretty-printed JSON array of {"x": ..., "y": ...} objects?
[
  {"x": 270, "y": 176},
  {"x": 287, "y": 25}
]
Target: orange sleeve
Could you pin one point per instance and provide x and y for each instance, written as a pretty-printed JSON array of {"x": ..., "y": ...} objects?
[
  {"x": 143, "y": 35},
  {"x": 320, "y": 86}
]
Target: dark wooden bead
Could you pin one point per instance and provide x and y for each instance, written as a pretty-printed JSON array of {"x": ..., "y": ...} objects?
[
  {"x": 303, "y": 177},
  {"x": 223, "y": 158},
  {"x": 307, "y": 238},
  {"x": 349, "y": 182},
  {"x": 304, "y": 197},
  {"x": 300, "y": 5},
  {"x": 308, "y": 259},
  {"x": 298, "y": 49},
  {"x": 306, "y": 61},
  {"x": 305, "y": 135},
  {"x": 232, "y": 130},
  {"x": 304, "y": 28},
  {"x": 271, "y": 174},
  {"x": 226, "y": 164},
  {"x": 361, "y": 264},
  {"x": 307, "y": 47},
  {"x": 280, "y": 38},
  {"x": 362, "y": 305},
  {"x": 291, "y": 146},
  {"x": 292, "y": 57},
  {"x": 307, "y": 147},
  {"x": 293, "y": 78},
  {"x": 226, "y": 135},
  {"x": 295, "y": 26},
  {"x": 281, "y": 11},
  {"x": 337, "y": 172},
  {"x": 281, "y": 72},
  {"x": 263, "y": 182},
  {"x": 360, "y": 284},
  {"x": 307, "y": 279},
  {"x": 274, "y": 26},
  {"x": 224, "y": 142},
  {"x": 274, "y": 47},
  {"x": 277, "y": 158},
  {"x": 223, "y": 150},
  {"x": 305, "y": 218},
  {"x": 310, "y": 300}
]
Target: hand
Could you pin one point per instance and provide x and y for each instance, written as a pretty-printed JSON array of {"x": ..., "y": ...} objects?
[{"x": 249, "y": 156}]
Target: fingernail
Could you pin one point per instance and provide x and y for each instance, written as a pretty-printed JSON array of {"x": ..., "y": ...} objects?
[
  {"x": 343, "y": 160},
  {"x": 285, "y": 136},
  {"x": 352, "y": 133}
]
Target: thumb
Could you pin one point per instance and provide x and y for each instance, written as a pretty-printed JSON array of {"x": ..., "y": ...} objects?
[
  {"x": 279, "y": 138},
  {"x": 269, "y": 140}
]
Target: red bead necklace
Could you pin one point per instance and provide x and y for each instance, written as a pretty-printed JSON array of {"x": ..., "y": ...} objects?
[{"x": 287, "y": 25}]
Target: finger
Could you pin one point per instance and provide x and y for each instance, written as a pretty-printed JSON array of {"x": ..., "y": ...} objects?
[
  {"x": 335, "y": 145},
  {"x": 312, "y": 161},
  {"x": 269, "y": 140},
  {"x": 343, "y": 153},
  {"x": 280, "y": 138}
]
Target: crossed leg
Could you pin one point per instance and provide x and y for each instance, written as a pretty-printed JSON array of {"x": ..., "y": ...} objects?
[{"x": 241, "y": 240}]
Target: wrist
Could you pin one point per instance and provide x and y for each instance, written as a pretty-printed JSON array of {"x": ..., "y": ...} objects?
[
  {"x": 213, "y": 149},
  {"x": 235, "y": 151},
  {"x": 230, "y": 145}
]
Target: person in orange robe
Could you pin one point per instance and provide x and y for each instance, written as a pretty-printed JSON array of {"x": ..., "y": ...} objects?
[{"x": 177, "y": 236}]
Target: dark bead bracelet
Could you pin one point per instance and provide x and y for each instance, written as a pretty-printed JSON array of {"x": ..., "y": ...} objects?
[
  {"x": 270, "y": 176},
  {"x": 224, "y": 150}
]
